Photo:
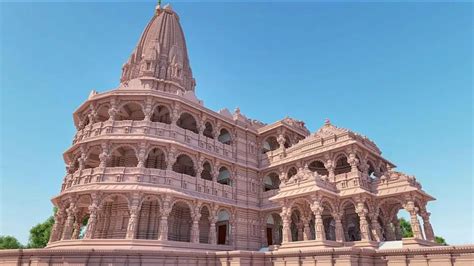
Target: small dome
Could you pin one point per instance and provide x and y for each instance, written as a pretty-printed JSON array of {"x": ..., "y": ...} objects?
[{"x": 161, "y": 52}]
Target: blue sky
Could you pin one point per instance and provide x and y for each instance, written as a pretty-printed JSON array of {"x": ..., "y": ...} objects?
[{"x": 400, "y": 73}]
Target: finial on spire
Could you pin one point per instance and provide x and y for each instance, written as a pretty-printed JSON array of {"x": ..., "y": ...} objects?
[
  {"x": 327, "y": 122},
  {"x": 158, "y": 7}
]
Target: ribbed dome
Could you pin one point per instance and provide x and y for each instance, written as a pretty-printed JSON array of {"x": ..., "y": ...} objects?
[{"x": 160, "y": 59}]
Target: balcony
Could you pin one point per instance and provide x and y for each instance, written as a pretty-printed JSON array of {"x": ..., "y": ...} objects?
[
  {"x": 157, "y": 130},
  {"x": 154, "y": 177}
]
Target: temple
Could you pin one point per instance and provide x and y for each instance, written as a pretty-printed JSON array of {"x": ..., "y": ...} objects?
[{"x": 151, "y": 168}]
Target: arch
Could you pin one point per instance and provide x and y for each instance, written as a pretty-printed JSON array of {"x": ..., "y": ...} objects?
[
  {"x": 351, "y": 222},
  {"x": 224, "y": 176},
  {"x": 123, "y": 156},
  {"x": 161, "y": 114},
  {"x": 179, "y": 222},
  {"x": 188, "y": 122},
  {"x": 342, "y": 166},
  {"x": 296, "y": 225},
  {"x": 206, "y": 171},
  {"x": 113, "y": 216},
  {"x": 271, "y": 181},
  {"x": 225, "y": 137},
  {"x": 208, "y": 130},
  {"x": 156, "y": 158},
  {"x": 204, "y": 224},
  {"x": 223, "y": 227},
  {"x": 371, "y": 170},
  {"x": 149, "y": 218},
  {"x": 92, "y": 159},
  {"x": 274, "y": 229},
  {"x": 130, "y": 111},
  {"x": 270, "y": 144},
  {"x": 318, "y": 167},
  {"x": 291, "y": 172},
  {"x": 103, "y": 113},
  {"x": 184, "y": 165}
]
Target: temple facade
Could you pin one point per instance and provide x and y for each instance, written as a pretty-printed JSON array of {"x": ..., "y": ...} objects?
[{"x": 150, "y": 167}]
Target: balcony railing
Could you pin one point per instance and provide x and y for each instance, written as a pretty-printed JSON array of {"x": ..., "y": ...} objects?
[
  {"x": 158, "y": 177},
  {"x": 157, "y": 130}
]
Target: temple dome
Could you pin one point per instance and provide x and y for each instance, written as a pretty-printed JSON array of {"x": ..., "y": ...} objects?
[{"x": 160, "y": 59}]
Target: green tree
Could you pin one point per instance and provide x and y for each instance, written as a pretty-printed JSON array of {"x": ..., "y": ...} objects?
[
  {"x": 405, "y": 227},
  {"x": 440, "y": 240},
  {"x": 9, "y": 242},
  {"x": 39, "y": 234}
]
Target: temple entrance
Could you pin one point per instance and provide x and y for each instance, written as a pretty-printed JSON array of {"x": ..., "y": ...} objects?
[
  {"x": 269, "y": 236},
  {"x": 222, "y": 232}
]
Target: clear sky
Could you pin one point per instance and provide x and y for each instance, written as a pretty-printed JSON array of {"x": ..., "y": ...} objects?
[{"x": 400, "y": 73}]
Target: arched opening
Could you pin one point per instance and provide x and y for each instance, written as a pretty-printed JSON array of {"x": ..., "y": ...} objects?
[
  {"x": 274, "y": 229},
  {"x": 161, "y": 114},
  {"x": 123, "y": 157},
  {"x": 271, "y": 182},
  {"x": 103, "y": 113},
  {"x": 371, "y": 170},
  {"x": 187, "y": 121},
  {"x": 130, "y": 111},
  {"x": 112, "y": 221},
  {"x": 156, "y": 159},
  {"x": 222, "y": 227},
  {"x": 270, "y": 144},
  {"x": 351, "y": 223},
  {"x": 184, "y": 165},
  {"x": 296, "y": 226},
  {"x": 291, "y": 172},
  {"x": 342, "y": 166},
  {"x": 149, "y": 219},
  {"x": 82, "y": 217},
  {"x": 208, "y": 130},
  {"x": 179, "y": 223},
  {"x": 225, "y": 137},
  {"x": 318, "y": 167},
  {"x": 93, "y": 160},
  {"x": 206, "y": 171},
  {"x": 329, "y": 223},
  {"x": 287, "y": 142},
  {"x": 224, "y": 176},
  {"x": 204, "y": 225}
]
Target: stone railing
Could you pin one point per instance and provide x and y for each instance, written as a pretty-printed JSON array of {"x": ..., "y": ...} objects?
[
  {"x": 157, "y": 130},
  {"x": 352, "y": 180},
  {"x": 157, "y": 177}
]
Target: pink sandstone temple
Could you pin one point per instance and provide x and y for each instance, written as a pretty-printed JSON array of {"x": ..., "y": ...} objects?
[{"x": 155, "y": 178}]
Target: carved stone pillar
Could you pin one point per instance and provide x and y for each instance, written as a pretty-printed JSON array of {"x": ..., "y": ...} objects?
[
  {"x": 233, "y": 227},
  {"x": 376, "y": 228},
  {"x": 353, "y": 161},
  {"x": 364, "y": 225},
  {"x": 329, "y": 165},
  {"x": 58, "y": 226},
  {"x": 318, "y": 220},
  {"x": 163, "y": 234},
  {"x": 172, "y": 157},
  {"x": 104, "y": 155},
  {"x": 415, "y": 224},
  {"x": 285, "y": 217},
  {"x": 281, "y": 141},
  {"x": 339, "y": 229},
  {"x": 212, "y": 230},
  {"x": 389, "y": 232},
  {"x": 92, "y": 222},
  {"x": 141, "y": 155},
  {"x": 77, "y": 226},
  {"x": 427, "y": 226},
  {"x": 148, "y": 110},
  {"x": 112, "y": 111},
  {"x": 396, "y": 228},
  {"x": 175, "y": 114},
  {"x": 68, "y": 227},
  {"x": 195, "y": 227},
  {"x": 132, "y": 222},
  {"x": 306, "y": 229}
]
